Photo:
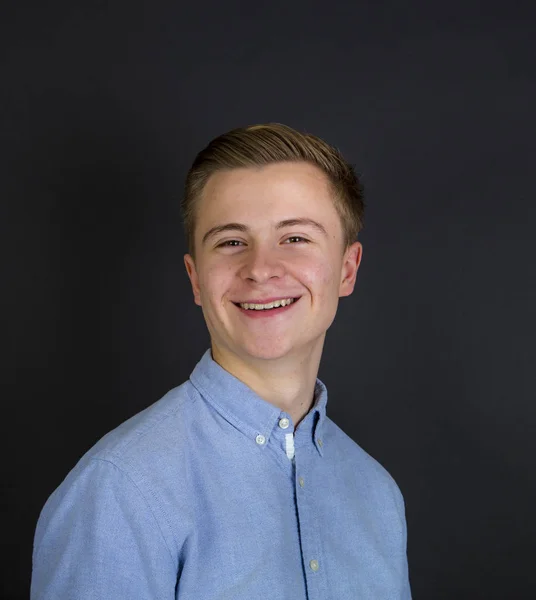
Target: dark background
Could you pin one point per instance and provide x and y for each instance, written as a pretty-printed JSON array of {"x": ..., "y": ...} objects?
[{"x": 429, "y": 364}]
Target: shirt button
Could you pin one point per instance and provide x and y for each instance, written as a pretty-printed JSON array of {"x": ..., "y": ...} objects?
[
  {"x": 260, "y": 439},
  {"x": 300, "y": 481},
  {"x": 319, "y": 442},
  {"x": 284, "y": 423},
  {"x": 314, "y": 565}
]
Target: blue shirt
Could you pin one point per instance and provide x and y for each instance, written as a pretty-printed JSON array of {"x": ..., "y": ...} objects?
[{"x": 210, "y": 494}]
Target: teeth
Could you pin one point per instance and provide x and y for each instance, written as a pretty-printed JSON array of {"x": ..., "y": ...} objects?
[{"x": 274, "y": 304}]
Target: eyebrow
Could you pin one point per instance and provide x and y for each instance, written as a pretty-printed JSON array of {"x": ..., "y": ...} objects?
[{"x": 281, "y": 225}]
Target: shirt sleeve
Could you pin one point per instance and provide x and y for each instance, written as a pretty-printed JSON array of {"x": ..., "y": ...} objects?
[
  {"x": 405, "y": 588},
  {"x": 97, "y": 537}
]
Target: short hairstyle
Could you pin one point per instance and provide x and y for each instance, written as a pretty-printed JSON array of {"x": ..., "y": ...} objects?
[{"x": 270, "y": 143}]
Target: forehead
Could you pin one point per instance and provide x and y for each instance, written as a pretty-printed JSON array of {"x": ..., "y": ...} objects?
[{"x": 271, "y": 191}]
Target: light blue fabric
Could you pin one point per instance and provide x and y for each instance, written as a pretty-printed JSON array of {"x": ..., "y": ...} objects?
[{"x": 184, "y": 501}]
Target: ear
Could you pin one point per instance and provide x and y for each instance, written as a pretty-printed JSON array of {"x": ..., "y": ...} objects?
[
  {"x": 350, "y": 265},
  {"x": 194, "y": 279}
]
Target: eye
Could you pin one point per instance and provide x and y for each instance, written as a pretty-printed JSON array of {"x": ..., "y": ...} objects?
[
  {"x": 229, "y": 243},
  {"x": 297, "y": 237}
]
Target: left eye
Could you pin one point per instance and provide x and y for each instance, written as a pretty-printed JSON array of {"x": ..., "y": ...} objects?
[{"x": 297, "y": 237}]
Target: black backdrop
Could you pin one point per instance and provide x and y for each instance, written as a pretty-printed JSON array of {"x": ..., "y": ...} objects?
[{"x": 429, "y": 364}]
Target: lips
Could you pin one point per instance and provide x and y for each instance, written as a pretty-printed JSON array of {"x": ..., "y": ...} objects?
[
  {"x": 266, "y": 301},
  {"x": 267, "y": 313}
]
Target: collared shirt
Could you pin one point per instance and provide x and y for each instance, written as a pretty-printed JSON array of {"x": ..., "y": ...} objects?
[{"x": 212, "y": 494}]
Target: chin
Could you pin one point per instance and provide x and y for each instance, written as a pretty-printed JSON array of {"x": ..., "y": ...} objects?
[{"x": 267, "y": 350}]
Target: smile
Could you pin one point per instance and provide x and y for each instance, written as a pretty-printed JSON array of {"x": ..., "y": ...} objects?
[
  {"x": 268, "y": 305},
  {"x": 274, "y": 307}
]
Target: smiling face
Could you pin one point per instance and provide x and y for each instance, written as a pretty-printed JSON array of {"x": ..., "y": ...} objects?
[{"x": 268, "y": 234}]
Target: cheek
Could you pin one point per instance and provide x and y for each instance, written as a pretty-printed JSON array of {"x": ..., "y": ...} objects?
[
  {"x": 318, "y": 276},
  {"x": 215, "y": 282}
]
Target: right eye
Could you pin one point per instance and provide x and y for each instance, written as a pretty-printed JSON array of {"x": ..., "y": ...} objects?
[{"x": 229, "y": 243}]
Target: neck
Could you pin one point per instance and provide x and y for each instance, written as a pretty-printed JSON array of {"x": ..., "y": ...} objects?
[{"x": 287, "y": 382}]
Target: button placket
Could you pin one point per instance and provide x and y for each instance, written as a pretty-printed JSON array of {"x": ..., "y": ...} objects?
[{"x": 311, "y": 546}]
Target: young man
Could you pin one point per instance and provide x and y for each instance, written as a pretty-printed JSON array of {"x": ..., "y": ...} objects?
[{"x": 236, "y": 485}]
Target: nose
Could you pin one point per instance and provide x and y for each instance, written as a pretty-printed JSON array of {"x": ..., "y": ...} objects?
[{"x": 261, "y": 265}]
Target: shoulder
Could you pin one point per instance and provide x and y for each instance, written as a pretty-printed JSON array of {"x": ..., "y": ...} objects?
[
  {"x": 149, "y": 430},
  {"x": 125, "y": 465},
  {"x": 360, "y": 462},
  {"x": 140, "y": 446}
]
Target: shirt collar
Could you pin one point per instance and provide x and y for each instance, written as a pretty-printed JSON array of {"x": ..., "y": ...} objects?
[{"x": 250, "y": 413}]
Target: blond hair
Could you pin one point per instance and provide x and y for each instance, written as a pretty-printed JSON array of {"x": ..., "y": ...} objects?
[{"x": 260, "y": 145}]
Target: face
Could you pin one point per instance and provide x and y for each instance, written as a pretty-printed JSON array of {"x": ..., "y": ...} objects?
[{"x": 264, "y": 235}]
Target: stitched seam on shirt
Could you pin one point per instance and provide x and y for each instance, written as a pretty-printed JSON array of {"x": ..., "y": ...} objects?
[{"x": 135, "y": 484}]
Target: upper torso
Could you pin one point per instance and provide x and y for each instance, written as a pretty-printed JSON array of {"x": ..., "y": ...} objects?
[{"x": 233, "y": 504}]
